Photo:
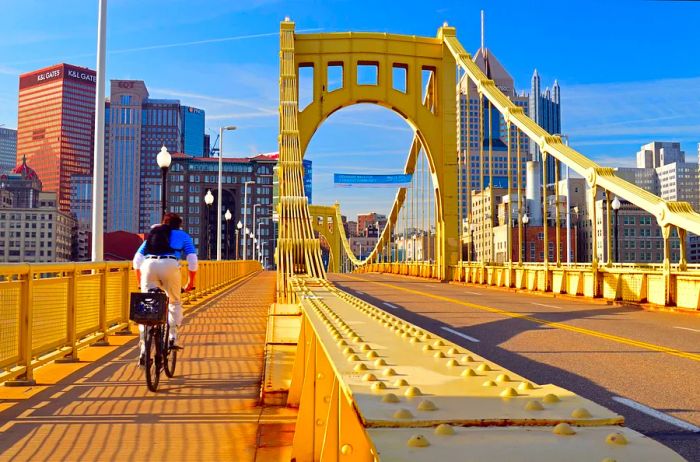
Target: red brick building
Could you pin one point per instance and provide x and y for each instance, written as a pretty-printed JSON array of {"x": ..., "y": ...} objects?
[{"x": 55, "y": 125}]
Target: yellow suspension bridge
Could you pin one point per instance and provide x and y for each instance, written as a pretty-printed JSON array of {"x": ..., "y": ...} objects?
[{"x": 529, "y": 361}]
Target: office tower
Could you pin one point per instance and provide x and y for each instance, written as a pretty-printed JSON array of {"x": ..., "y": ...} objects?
[
  {"x": 137, "y": 127},
  {"x": 188, "y": 182},
  {"x": 545, "y": 109},
  {"x": 658, "y": 153},
  {"x": 193, "y": 141},
  {"x": 8, "y": 149},
  {"x": 55, "y": 125},
  {"x": 495, "y": 132}
]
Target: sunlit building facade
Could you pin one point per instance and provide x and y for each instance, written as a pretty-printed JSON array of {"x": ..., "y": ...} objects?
[{"x": 55, "y": 125}]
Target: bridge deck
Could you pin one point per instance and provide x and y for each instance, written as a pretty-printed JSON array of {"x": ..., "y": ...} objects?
[
  {"x": 209, "y": 411},
  {"x": 616, "y": 356}
]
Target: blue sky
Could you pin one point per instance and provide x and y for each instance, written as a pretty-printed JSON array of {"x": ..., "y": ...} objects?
[{"x": 629, "y": 70}]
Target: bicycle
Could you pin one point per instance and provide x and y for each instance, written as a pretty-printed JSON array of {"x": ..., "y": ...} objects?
[{"x": 151, "y": 310}]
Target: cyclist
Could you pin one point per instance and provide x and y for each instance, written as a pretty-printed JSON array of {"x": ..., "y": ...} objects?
[{"x": 157, "y": 264}]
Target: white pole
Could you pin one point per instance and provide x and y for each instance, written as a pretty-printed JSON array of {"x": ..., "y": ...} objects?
[
  {"x": 260, "y": 241},
  {"x": 245, "y": 220},
  {"x": 219, "y": 196},
  {"x": 255, "y": 206},
  {"x": 568, "y": 213},
  {"x": 98, "y": 175}
]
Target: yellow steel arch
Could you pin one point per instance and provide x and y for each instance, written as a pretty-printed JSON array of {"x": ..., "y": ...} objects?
[
  {"x": 433, "y": 120},
  {"x": 326, "y": 221}
]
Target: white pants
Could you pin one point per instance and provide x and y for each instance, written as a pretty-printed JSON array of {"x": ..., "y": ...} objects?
[{"x": 164, "y": 274}]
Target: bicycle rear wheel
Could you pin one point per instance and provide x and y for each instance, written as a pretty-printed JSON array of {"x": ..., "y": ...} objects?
[
  {"x": 169, "y": 354},
  {"x": 153, "y": 360}
]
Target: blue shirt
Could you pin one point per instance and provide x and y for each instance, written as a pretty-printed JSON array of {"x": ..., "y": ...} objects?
[{"x": 180, "y": 242}]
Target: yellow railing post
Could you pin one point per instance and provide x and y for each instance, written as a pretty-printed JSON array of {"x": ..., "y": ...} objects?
[
  {"x": 25, "y": 332},
  {"x": 125, "y": 301},
  {"x": 102, "y": 269},
  {"x": 71, "y": 316}
]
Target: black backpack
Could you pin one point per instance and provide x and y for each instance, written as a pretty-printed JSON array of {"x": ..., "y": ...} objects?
[{"x": 158, "y": 241}]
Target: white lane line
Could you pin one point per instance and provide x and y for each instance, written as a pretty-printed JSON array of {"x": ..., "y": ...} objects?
[
  {"x": 471, "y": 293},
  {"x": 687, "y": 328},
  {"x": 548, "y": 306},
  {"x": 391, "y": 306},
  {"x": 359, "y": 292},
  {"x": 657, "y": 414},
  {"x": 456, "y": 332}
]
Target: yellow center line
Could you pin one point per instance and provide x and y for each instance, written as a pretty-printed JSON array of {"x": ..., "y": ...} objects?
[{"x": 558, "y": 325}]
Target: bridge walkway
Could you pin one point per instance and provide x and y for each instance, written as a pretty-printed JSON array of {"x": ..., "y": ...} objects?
[
  {"x": 209, "y": 411},
  {"x": 618, "y": 356}
]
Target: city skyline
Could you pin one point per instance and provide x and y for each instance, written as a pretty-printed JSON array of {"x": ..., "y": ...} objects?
[{"x": 233, "y": 75}]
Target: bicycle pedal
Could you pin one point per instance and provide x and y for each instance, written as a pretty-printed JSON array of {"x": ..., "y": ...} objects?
[{"x": 176, "y": 347}]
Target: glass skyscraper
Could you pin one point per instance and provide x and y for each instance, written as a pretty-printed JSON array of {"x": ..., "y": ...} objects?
[
  {"x": 192, "y": 131},
  {"x": 8, "y": 149}
]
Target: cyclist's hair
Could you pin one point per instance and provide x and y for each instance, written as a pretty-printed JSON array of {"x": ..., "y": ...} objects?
[{"x": 173, "y": 220}]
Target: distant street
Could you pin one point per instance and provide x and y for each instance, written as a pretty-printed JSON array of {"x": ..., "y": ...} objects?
[{"x": 643, "y": 365}]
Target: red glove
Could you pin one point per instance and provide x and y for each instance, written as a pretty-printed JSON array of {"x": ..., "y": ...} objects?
[{"x": 190, "y": 280}]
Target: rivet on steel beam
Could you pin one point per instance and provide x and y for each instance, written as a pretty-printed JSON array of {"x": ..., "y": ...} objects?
[
  {"x": 377, "y": 386},
  {"x": 438, "y": 343},
  {"x": 502, "y": 378},
  {"x": 489, "y": 383},
  {"x": 550, "y": 398},
  {"x": 413, "y": 391},
  {"x": 580, "y": 413},
  {"x": 327, "y": 399},
  {"x": 525, "y": 386},
  {"x": 359, "y": 367},
  {"x": 534, "y": 405},
  {"x": 508, "y": 393},
  {"x": 319, "y": 376},
  {"x": 469, "y": 372},
  {"x": 427, "y": 348},
  {"x": 353, "y": 358},
  {"x": 372, "y": 355},
  {"x": 616, "y": 438},
  {"x": 444, "y": 430},
  {"x": 426, "y": 405},
  {"x": 452, "y": 363},
  {"x": 348, "y": 350},
  {"x": 414, "y": 340},
  {"x": 466, "y": 359},
  {"x": 369, "y": 377},
  {"x": 357, "y": 339},
  {"x": 418, "y": 441},
  {"x": 426, "y": 337},
  {"x": 484, "y": 368},
  {"x": 380, "y": 362},
  {"x": 453, "y": 351},
  {"x": 388, "y": 372},
  {"x": 439, "y": 354},
  {"x": 405, "y": 335},
  {"x": 365, "y": 347},
  {"x": 403, "y": 414},
  {"x": 400, "y": 383},
  {"x": 390, "y": 398},
  {"x": 346, "y": 450},
  {"x": 319, "y": 422},
  {"x": 563, "y": 429}
]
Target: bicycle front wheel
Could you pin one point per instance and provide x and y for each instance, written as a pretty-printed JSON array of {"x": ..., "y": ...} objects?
[
  {"x": 152, "y": 360},
  {"x": 169, "y": 354}
]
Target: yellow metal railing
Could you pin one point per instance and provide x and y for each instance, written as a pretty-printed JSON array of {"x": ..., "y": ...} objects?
[{"x": 49, "y": 311}]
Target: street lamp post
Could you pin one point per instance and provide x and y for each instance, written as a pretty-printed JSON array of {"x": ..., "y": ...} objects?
[
  {"x": 208, "y": 200},
  {"x": 616, "y": 204},
  {"x": 261, "y": 241},
  {"x": 245, "y": 218},
  {"x": 255, "y": 208},
  {"x": 526, "y": 220},
  {"x": 98, "y": 171},
  {"x": 238, "y": 231},
  {"x": 228, "y": 217},
  {"x": 220, "y": 203},
  {"x": 164, "y": 159}
]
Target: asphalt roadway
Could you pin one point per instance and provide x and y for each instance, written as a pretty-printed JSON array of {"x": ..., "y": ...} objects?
[{"x": 644, "y": 365}]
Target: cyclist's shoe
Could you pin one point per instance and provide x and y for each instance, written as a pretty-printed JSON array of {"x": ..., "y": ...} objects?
[
  {"x": 142, "y": 360},
  {"x": 174, "y": 345}
]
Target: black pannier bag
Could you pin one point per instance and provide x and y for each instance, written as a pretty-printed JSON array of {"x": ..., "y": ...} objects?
[{"x": 148, "y": 308}]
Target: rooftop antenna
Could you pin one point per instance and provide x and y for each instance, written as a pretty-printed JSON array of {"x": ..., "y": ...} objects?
[{"x": 482, "y": 32}]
